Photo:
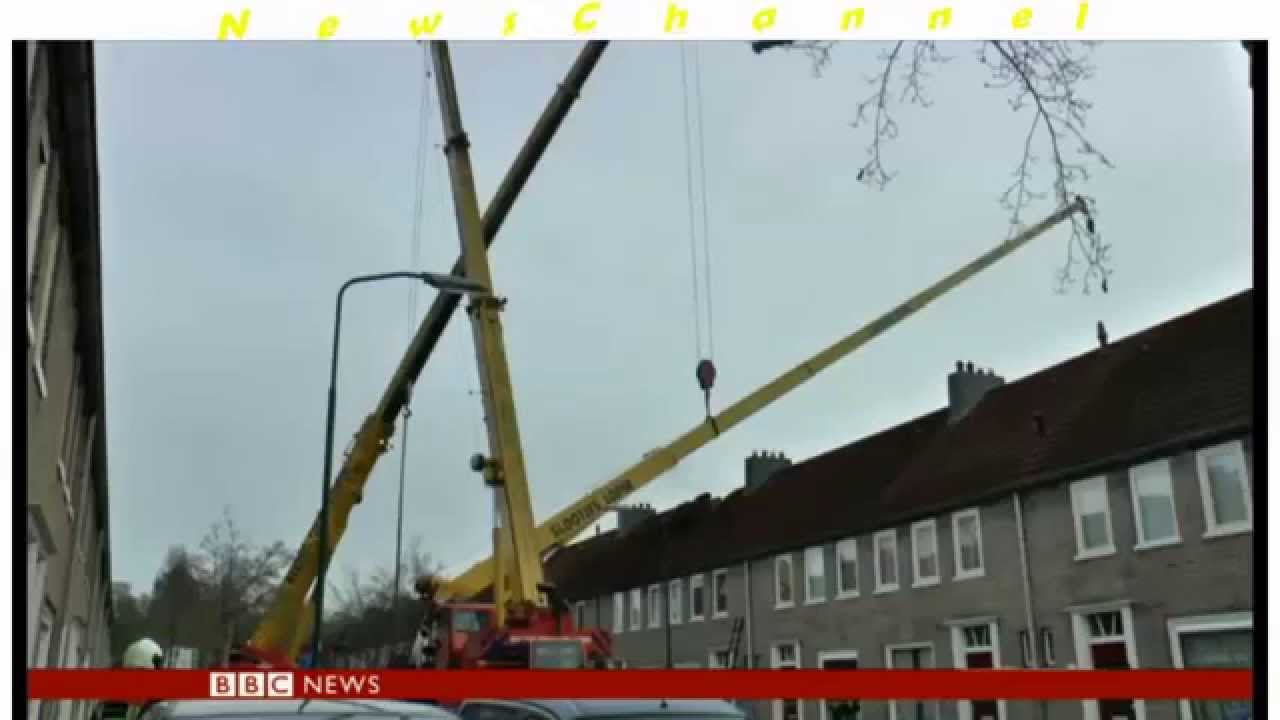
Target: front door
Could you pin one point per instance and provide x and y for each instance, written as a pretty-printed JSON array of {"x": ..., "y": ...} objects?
[
  {"x": 1108, "y": 650},
  {"x": 1112, "y": 656},
  {"x": 844, "y": 708},
  {"x": 982, "y": 660},
  {"x": 912, "y": 658}
]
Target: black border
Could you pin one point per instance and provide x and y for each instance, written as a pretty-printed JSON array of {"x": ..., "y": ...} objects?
[
  {"x": 19, "y": 483},
  {"x": 1258, "y": 90}
]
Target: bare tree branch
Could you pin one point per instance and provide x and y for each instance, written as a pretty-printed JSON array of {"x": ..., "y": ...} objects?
[{"x": 1044, "y": 75}]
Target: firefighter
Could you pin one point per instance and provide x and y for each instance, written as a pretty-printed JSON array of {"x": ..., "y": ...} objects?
[{"x": 144, "y": 654}]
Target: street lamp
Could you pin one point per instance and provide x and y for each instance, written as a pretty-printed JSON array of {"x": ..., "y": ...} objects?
[{"x": 450, "y": 284}]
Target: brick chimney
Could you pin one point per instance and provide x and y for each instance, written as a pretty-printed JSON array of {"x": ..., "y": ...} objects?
[
  {"x": 760, "y": 466},
  {"x": 630, "y": 516},
  {"x": 967, "y": 386}
]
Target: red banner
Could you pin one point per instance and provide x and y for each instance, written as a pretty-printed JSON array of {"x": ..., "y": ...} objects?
[{"x": 127, "y": 685}]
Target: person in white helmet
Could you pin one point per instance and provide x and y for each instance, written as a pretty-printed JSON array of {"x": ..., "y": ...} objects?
[{"x": 145, "y": 654}]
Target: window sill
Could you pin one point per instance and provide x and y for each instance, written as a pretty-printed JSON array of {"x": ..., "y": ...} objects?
[
  {"x": 927, "y": 582},
  {"x": 720, "y": 615},
  {"x": 697, "y": 618},
  {"x": 1095, "y": 554},
  {"x": 973, "y": 575},
  {"x": 848, "y": 595},
  {"x": 815, "y": 601},
  {"x": 885, "y": 590},
  {"x": 783, "y": 606},
  {"x": 1168, "y": 542},
  {"x": 1227, "y": 531}
]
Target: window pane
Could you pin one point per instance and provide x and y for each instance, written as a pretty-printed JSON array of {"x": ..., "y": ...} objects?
[
  {"x": 782, "y": 571},
  {"x": 1156, "y": 514},
  {"x": 815, "y": 574},
  {"x": 1090, "y": 496},
  {"x": 1094, "y": 531},
  {"x": 929, "y": 567},
  {"x": 847, "y": 559},
  {"x": 1226, "y": 486},
  {"x": 1222, "y": 649},
  {"x": 887, "y": 559}
]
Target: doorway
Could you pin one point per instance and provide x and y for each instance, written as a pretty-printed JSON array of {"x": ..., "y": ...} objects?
[
  {"x": 843, "y": 708},
  {"x": 976, "y": 645},
  {"x": 917, "y": 656},
  {"x": 1104, "y": 641},
  {"x": 786, "y": 656}
]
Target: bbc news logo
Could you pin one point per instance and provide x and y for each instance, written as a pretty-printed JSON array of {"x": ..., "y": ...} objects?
[
  {"x": 281, "y": 685},
  {"x": 250, "y": 684}
]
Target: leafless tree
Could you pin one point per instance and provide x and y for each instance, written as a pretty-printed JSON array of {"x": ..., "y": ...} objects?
[
  {"x": 240, "y": 576},
  {"x": 1044, "y": 76}
]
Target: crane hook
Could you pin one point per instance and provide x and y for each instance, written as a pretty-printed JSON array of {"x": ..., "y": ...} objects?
[{"x": 706, "y": 373}]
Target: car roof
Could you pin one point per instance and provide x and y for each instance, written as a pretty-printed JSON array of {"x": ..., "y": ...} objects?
[
  {"x": 621, "y": 708},
  {"x": 300, "y": 708}
]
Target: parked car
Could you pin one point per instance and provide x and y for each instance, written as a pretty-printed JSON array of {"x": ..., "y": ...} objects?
[
  {"x": 599, "y": 710},
  {"x": 294, "y": 710}
]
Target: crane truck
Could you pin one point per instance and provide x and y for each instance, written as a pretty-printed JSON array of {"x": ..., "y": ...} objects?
[{"x": 525, "y": 625}]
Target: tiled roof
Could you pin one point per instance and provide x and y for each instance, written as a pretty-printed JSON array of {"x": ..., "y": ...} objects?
[{"x": 1187, "y": 380}]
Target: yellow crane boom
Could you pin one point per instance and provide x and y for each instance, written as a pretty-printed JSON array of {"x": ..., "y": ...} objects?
[
  {"x": 569, "y": 522},
  {"x": 287, "y": 623}
]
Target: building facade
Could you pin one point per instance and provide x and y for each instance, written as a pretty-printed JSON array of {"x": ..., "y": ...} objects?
[
  {"x": 1097, "y": 514},
  {"x": 68, "y": 544}
]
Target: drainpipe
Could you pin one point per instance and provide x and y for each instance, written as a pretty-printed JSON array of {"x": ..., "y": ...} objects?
[
  {"x": 746, "y": 592},
  {"x": 1027, "y": 604}
]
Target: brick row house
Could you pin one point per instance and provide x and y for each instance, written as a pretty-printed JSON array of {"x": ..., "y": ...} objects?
[
  {"x": 68, "y": 546},
  {"x": 1096, "y": 514}
]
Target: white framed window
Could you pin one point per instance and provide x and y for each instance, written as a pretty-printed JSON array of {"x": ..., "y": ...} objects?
[
  {"x": 1092, "y": 518},
  {"x": 815, "y": 575},
  {"x": 911, "y": 656},
  {"x": 1220, "y": 641},
  {"x": 783, "y": 582},
  {"x": 637, "y": 609},
  {"x": 655, "y": 606},
  {"x": 675, "y": 601},
  {"x": 847, "y": 568},
  {"x": 966, "y": 530},
  {"x": 975, "y": 643},
  {"x": 36, "y": 207},
  {"x": 1104, "y": 640},
  {"x": 719, "y": 659},
  {"x": 1154, "y": 512},
  {"x": 886, "y": 550},
  {"x": 42, "y": 289},
  {"x": 44, "y": 633},
  {"x": 697, "y": 597},
  {"x": 619, "y": 612},
  {"x": 1224, "y": 489},
  {"x": 786, "y": 656},
  {"x": 720, "y": 593},
  {"x": 924, "y": 552},
  {"x": 64, "y": 482}
]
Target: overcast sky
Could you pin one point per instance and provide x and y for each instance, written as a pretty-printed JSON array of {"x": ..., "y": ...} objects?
[{"x": 242, "y": 184}]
